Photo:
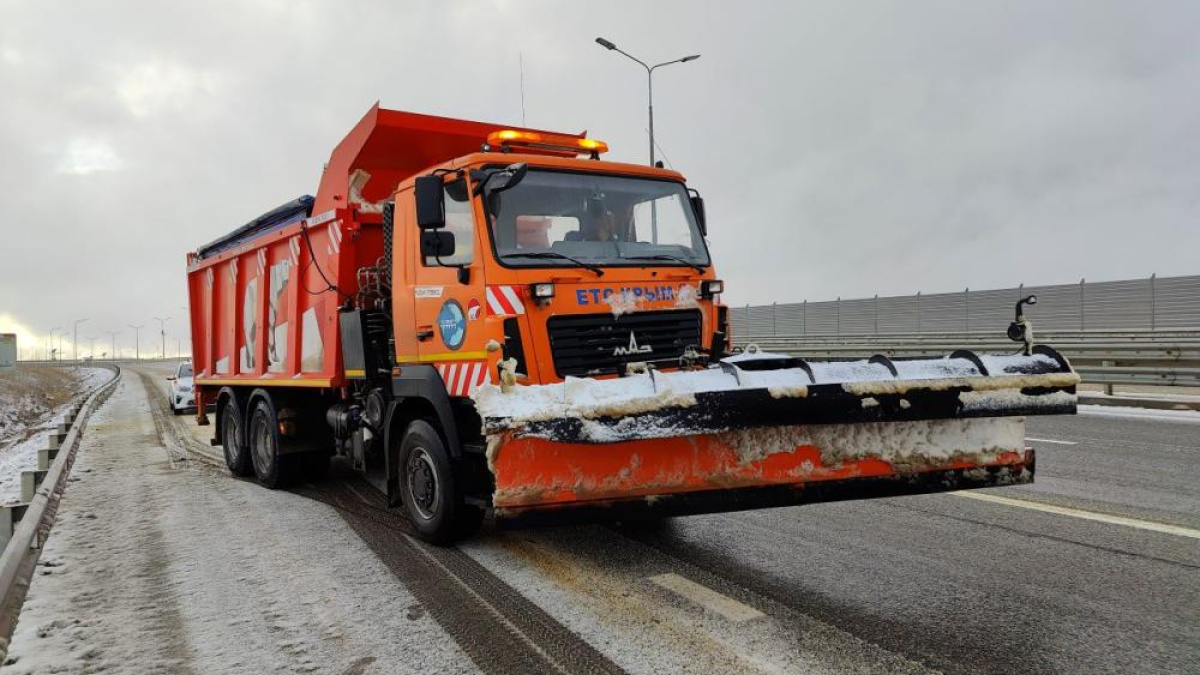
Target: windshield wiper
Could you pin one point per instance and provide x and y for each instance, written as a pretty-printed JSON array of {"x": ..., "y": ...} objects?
[
  {"x": 555, "y": 254},
  {"x": 663, "y": 256}
]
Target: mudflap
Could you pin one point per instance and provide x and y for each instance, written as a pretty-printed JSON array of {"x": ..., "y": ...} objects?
[{"x": 541, "y": 481}]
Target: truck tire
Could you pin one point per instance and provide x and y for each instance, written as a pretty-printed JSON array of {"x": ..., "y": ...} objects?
[
  {"x": 429, "y": 489},
  {"x": 233, "y": 439},
  {"x": 272, "y": 468}
]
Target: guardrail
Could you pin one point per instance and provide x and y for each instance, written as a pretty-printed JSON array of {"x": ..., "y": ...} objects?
[
  {"x": 25, "y": 527},
  {"x": 1161, "y": 358}
]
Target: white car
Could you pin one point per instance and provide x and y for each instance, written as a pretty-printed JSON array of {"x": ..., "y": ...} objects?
[{"x": 179, "y": 394}]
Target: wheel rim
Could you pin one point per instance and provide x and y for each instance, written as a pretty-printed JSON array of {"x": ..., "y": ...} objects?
[
  {"x": 232, "y": 429},
  {"x": 264, "y": 442},
  {"x": 423, "y": 488}
]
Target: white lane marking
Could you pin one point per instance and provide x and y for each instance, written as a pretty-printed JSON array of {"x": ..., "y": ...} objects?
[
  {"x": 1085, "y": 515},
  {"x": 1050, "y": 440},
  {"x": 706, "y": 597}
]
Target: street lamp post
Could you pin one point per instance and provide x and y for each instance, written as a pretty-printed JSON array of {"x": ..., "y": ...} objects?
[
  {"x": 75, "y": 340},
  {"x": 649, "y": 81},
  {"x": 137, "y": 349},
  {"x": 162, "y": 328},
  {"x": 113, "y": 334}
]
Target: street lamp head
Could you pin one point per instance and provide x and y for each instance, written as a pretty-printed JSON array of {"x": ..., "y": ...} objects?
[
  {"x": 605, "y": 43},
  {"x": 693, "y": 57}
]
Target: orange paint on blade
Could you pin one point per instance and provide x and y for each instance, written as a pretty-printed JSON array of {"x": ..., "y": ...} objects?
[{"x": 537, "y": 472}]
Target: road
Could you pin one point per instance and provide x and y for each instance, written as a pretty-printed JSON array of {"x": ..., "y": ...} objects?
[{"x": 1093, "y": 569}]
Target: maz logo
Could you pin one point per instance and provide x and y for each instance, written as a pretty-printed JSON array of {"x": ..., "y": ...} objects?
[{"x": 633, "y": 348}]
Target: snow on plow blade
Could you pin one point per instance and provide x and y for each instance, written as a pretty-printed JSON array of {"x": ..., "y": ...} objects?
[{"x": 768, "y": 430}]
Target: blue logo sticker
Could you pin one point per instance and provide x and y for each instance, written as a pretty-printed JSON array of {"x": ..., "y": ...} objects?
[{"x": 452, "y": 324}]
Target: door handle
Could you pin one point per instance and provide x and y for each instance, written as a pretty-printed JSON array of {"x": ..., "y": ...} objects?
[{"x": 424, "y": 333}]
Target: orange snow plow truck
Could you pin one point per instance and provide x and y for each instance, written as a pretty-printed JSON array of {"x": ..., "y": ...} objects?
[{"x": 494, "y": 320}]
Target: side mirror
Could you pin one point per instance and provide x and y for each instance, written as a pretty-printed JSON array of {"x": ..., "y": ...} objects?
[
  {"x": 437, "y": 244},
  {"x": 698, "y": 209},
  {"x": 170, "y": 378},
  {"x": 431, "y": 209}
]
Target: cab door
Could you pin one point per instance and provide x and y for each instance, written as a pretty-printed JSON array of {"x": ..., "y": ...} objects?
[
  {"x": 448, "y": 294},
  {"x": 404, "y": 240}
]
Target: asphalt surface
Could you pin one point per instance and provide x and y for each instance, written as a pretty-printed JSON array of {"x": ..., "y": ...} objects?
[
  {"x": 965, "y": 586},
  {"x": 939, "y": 583}
]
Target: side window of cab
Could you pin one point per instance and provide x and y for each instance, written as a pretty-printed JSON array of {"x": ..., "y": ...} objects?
[{"x": 460, "y": 222}]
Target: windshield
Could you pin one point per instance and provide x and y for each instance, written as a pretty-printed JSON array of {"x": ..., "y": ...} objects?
[
  {"x": 550, "y": 218},
  {"x": 185, "y": 370}
]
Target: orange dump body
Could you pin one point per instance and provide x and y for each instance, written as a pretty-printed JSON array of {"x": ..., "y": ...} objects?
[{"x": 264, "y": 309}]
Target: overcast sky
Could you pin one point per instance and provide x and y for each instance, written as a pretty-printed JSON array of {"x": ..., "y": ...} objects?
[{"x": 844, "y": 148}]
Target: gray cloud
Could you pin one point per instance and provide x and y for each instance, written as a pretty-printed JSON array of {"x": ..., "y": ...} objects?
[{"x": 844, "y": 148}]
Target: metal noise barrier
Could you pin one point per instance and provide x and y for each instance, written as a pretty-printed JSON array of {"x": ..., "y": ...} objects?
[
  {"x": 23, "y": 547},
  {"x": 1151, "y": 303}
]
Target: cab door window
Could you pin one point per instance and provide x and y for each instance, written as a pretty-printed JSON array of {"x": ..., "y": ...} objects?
[{"x": 460, "y": 222}]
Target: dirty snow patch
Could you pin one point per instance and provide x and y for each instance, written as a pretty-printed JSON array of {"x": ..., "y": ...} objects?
[{"x": 922, "y": 442}]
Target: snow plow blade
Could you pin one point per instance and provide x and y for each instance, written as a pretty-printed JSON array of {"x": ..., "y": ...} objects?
[{"x": 767, "y": 430}]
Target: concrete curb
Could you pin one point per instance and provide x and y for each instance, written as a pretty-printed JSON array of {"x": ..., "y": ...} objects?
[{"x": 24, "y": 528}]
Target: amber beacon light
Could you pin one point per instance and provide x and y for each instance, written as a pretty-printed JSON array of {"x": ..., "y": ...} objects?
[{"x": 544, "y": 141}]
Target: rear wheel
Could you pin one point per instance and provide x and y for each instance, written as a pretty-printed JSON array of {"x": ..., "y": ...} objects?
[
  {"x": 271, "y": 467},
  {"x": 237, "y": 455},
  {"x": 431, "y": 494}
]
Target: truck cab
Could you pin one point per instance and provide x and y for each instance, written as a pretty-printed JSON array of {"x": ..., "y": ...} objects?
[{"x": 568, "y": 267}]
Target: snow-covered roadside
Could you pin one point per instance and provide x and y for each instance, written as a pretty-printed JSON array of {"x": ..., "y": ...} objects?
[
  {"x": 1129, "y": 412},
  {"x": 154, "y": 569},
  {"x": 31, "y": 424}
]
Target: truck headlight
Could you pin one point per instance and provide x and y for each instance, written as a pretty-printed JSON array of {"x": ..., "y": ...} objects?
[
  {"x": 711, "y": 288},
  {"x": 542, "y": 291}
]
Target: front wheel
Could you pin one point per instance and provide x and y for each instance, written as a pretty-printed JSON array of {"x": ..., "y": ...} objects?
[{"x": 428, "y": 487}]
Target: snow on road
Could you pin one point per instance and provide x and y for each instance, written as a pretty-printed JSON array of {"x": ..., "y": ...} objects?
[
  {"x": 601, "y": 585},
  {"x": 157, "y": 568}
]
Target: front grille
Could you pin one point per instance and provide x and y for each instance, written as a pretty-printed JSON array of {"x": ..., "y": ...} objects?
[{"x": 598, "y": 344}]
